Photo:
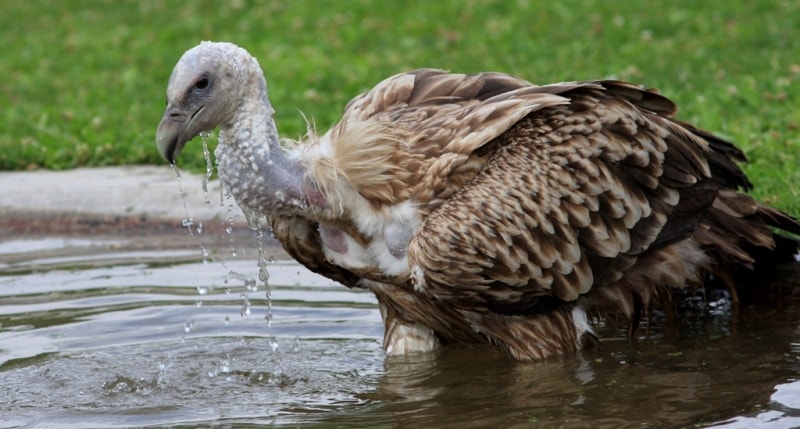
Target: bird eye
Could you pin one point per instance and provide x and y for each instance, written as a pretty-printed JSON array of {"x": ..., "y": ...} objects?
[{"x": 202, "y": 83}]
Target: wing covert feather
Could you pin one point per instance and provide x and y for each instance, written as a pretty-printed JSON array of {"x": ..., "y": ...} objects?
[{"x": 571, "y": 197}]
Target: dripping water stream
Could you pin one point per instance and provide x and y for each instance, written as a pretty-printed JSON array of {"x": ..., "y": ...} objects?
[
  {"x": 209, "y": 170},
  {"x": 256, "y": 223}
]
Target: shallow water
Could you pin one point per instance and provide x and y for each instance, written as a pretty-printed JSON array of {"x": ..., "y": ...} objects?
[{"x": 99, "y": 333}]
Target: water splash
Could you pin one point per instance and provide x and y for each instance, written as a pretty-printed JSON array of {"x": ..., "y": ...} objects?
[
  {"x": 163, "y": 368},
  {"x": 122, "y": 385},
  {"x": 277, "y": 373},
  {"x": 221, "y": 368}
]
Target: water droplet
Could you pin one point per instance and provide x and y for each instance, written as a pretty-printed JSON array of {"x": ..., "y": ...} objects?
[
  {"x": 273, "y": 344},
  {"x": 209, "y": 168},
  {"x": 263, "y": 275},
  {"x": 277, "y": 375},
  {"x": 227, "y": 320},
  {"x": 188, "y": 326},
  {"x": 202, "y": 290},
  {"x": 245, "y": 310},
  {"x": 296, "y": 345},
  {"x": 200, "y": 227},
  {"x": 251, "y": 285},
  {"x": 187, "y": 222},
  {"x": 198, "y": 303},
  {"x": 175, "y": 169}
]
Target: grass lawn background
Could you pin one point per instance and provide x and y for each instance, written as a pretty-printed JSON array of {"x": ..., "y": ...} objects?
[{"x": 84, "y": 81}]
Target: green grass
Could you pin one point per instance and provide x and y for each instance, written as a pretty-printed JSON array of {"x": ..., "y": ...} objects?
[{"x": 84, "y": 81}]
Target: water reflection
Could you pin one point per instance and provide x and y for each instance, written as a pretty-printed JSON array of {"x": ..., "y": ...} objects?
[
  {"x": 658, "y": 384},
  {"x": 120, "y": 339}
]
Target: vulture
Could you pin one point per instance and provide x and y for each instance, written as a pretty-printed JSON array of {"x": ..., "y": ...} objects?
[{"x": 481, "y": 208}]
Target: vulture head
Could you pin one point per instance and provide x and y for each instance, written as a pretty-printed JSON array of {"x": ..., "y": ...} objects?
[
  {"x": 204, "y": 91},
  {"x": 220, "y": 85}
]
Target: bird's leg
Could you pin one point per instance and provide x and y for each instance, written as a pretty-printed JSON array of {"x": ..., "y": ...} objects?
[{"x": 403, "y": 339}]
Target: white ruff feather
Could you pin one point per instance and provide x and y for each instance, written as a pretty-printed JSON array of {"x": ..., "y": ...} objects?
[{"x": 388, "y": 227}]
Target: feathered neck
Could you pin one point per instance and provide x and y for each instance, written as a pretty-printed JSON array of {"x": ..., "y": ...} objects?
[{"x": 252, "y": 165}]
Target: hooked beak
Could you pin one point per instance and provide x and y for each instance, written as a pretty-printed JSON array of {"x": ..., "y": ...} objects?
[{"x": 174, "y": 130}]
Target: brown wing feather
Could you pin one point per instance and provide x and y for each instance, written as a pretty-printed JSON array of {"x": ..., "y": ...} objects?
[
  {"x": 434, "y": 121},
  {"x": 571, "y": 197}
]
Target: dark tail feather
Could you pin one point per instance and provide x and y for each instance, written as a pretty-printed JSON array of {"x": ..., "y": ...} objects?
[
  {"x": 735, "y": 226},
  {"x": 779, "y": 220},
  {"x": 750, "y": 241},
  {"x": 765, "y": 282},
  {"x": 785, "y": 251},
  {"x": 786, "y": 247}
]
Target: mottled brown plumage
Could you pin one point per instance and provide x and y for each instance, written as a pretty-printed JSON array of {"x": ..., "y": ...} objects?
[{"x": 482, "y": 208}]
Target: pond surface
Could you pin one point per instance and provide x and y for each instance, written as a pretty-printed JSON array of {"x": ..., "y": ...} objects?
[{"x": 104, "y": 333}]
